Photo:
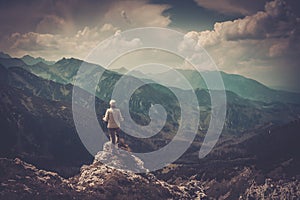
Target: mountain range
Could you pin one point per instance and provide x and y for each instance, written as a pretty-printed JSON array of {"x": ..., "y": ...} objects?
[
  {"x": 29, "y": 60},
  {"x": 258, "y": 140},
  {"x": 242, "y": 86},
  {"x": 64, "y": 71}
]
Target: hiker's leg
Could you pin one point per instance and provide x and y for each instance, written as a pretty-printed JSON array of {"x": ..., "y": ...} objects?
[
  {"x": 112, "y": 135},
  {"x": 118, "y": 135}
]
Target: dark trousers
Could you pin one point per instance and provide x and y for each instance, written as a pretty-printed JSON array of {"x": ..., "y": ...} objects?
[{"x": 114, "y": 135}]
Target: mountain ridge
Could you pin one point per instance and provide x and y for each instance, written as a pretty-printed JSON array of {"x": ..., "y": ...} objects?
[
  {"x": 65, "y": 70},
  {"x": 245, "y": 87},
  {"x": 29, "y": 60}
]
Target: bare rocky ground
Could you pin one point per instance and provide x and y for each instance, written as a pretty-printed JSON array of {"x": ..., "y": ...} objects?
[
  {"x": 20, "y": 180},
  {"x": 264, "y": 165}
]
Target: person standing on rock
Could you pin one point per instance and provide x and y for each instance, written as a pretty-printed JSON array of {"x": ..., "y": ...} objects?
[{"x": 113, "y": 117}]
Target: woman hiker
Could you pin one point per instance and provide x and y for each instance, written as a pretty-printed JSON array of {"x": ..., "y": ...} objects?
[{"x": 113, "y": 117}]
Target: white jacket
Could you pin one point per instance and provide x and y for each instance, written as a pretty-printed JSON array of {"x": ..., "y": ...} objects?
[{"x": 113, "y": 116}]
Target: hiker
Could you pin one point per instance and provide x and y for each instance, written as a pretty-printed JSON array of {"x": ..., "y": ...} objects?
[{"x": 113, "y": 116}]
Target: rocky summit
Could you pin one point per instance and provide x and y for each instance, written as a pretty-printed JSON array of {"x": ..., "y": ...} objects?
[
  {"x": 20, "y": 180},
  {"x": 120, "y": 158}
]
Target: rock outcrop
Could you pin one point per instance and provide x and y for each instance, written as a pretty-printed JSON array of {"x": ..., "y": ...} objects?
[
  {"x": 20, "y": 180},
  {"x": 273, "y": 190},
  {"x": 116, "y": 179},
  {"x": 120, "y": 158}
]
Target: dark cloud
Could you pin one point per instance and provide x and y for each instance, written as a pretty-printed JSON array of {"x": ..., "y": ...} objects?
[
  {"x": 245, "y": 7},
  {"x": 233, "y": 7},
  {"x": 32, "y": 15}
]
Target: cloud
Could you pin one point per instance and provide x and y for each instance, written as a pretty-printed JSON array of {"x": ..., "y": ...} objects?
[
  {"x": 32, "y": 41},
  {"x": 275, "y": 21},
  {"x": 277, "y": 25},
  {"x": 232, "y": 6},
  {"x": 261, "y": 43},
  {"x": 113, "y": 46},
  {"x": 62, "y": 29},
  {"x": 137, "y": 13},
  {"x": 53, "y": 24},
  {"x": 108, "y": 27},
  {"x": 54, "y": 46},
  {"x": 279, "y": 48}
]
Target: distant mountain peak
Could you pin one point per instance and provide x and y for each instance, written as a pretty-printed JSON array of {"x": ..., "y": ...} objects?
[
  {"x": 65, "y": 60},
  {"x": 29, "y": 60},
  {"x": 27, "y": 57}
]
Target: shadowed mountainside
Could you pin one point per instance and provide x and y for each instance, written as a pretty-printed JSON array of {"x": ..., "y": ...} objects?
[{"x": 262, "y": 164}]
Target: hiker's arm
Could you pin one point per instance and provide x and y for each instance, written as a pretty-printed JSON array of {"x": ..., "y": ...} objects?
[{"x": 105, "y": 118}]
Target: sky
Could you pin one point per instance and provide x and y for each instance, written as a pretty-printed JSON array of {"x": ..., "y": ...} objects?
[{"x": 258, "y": 39}]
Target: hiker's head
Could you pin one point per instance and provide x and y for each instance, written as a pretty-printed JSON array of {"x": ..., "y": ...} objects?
[{"x": 112, "y": 103}]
